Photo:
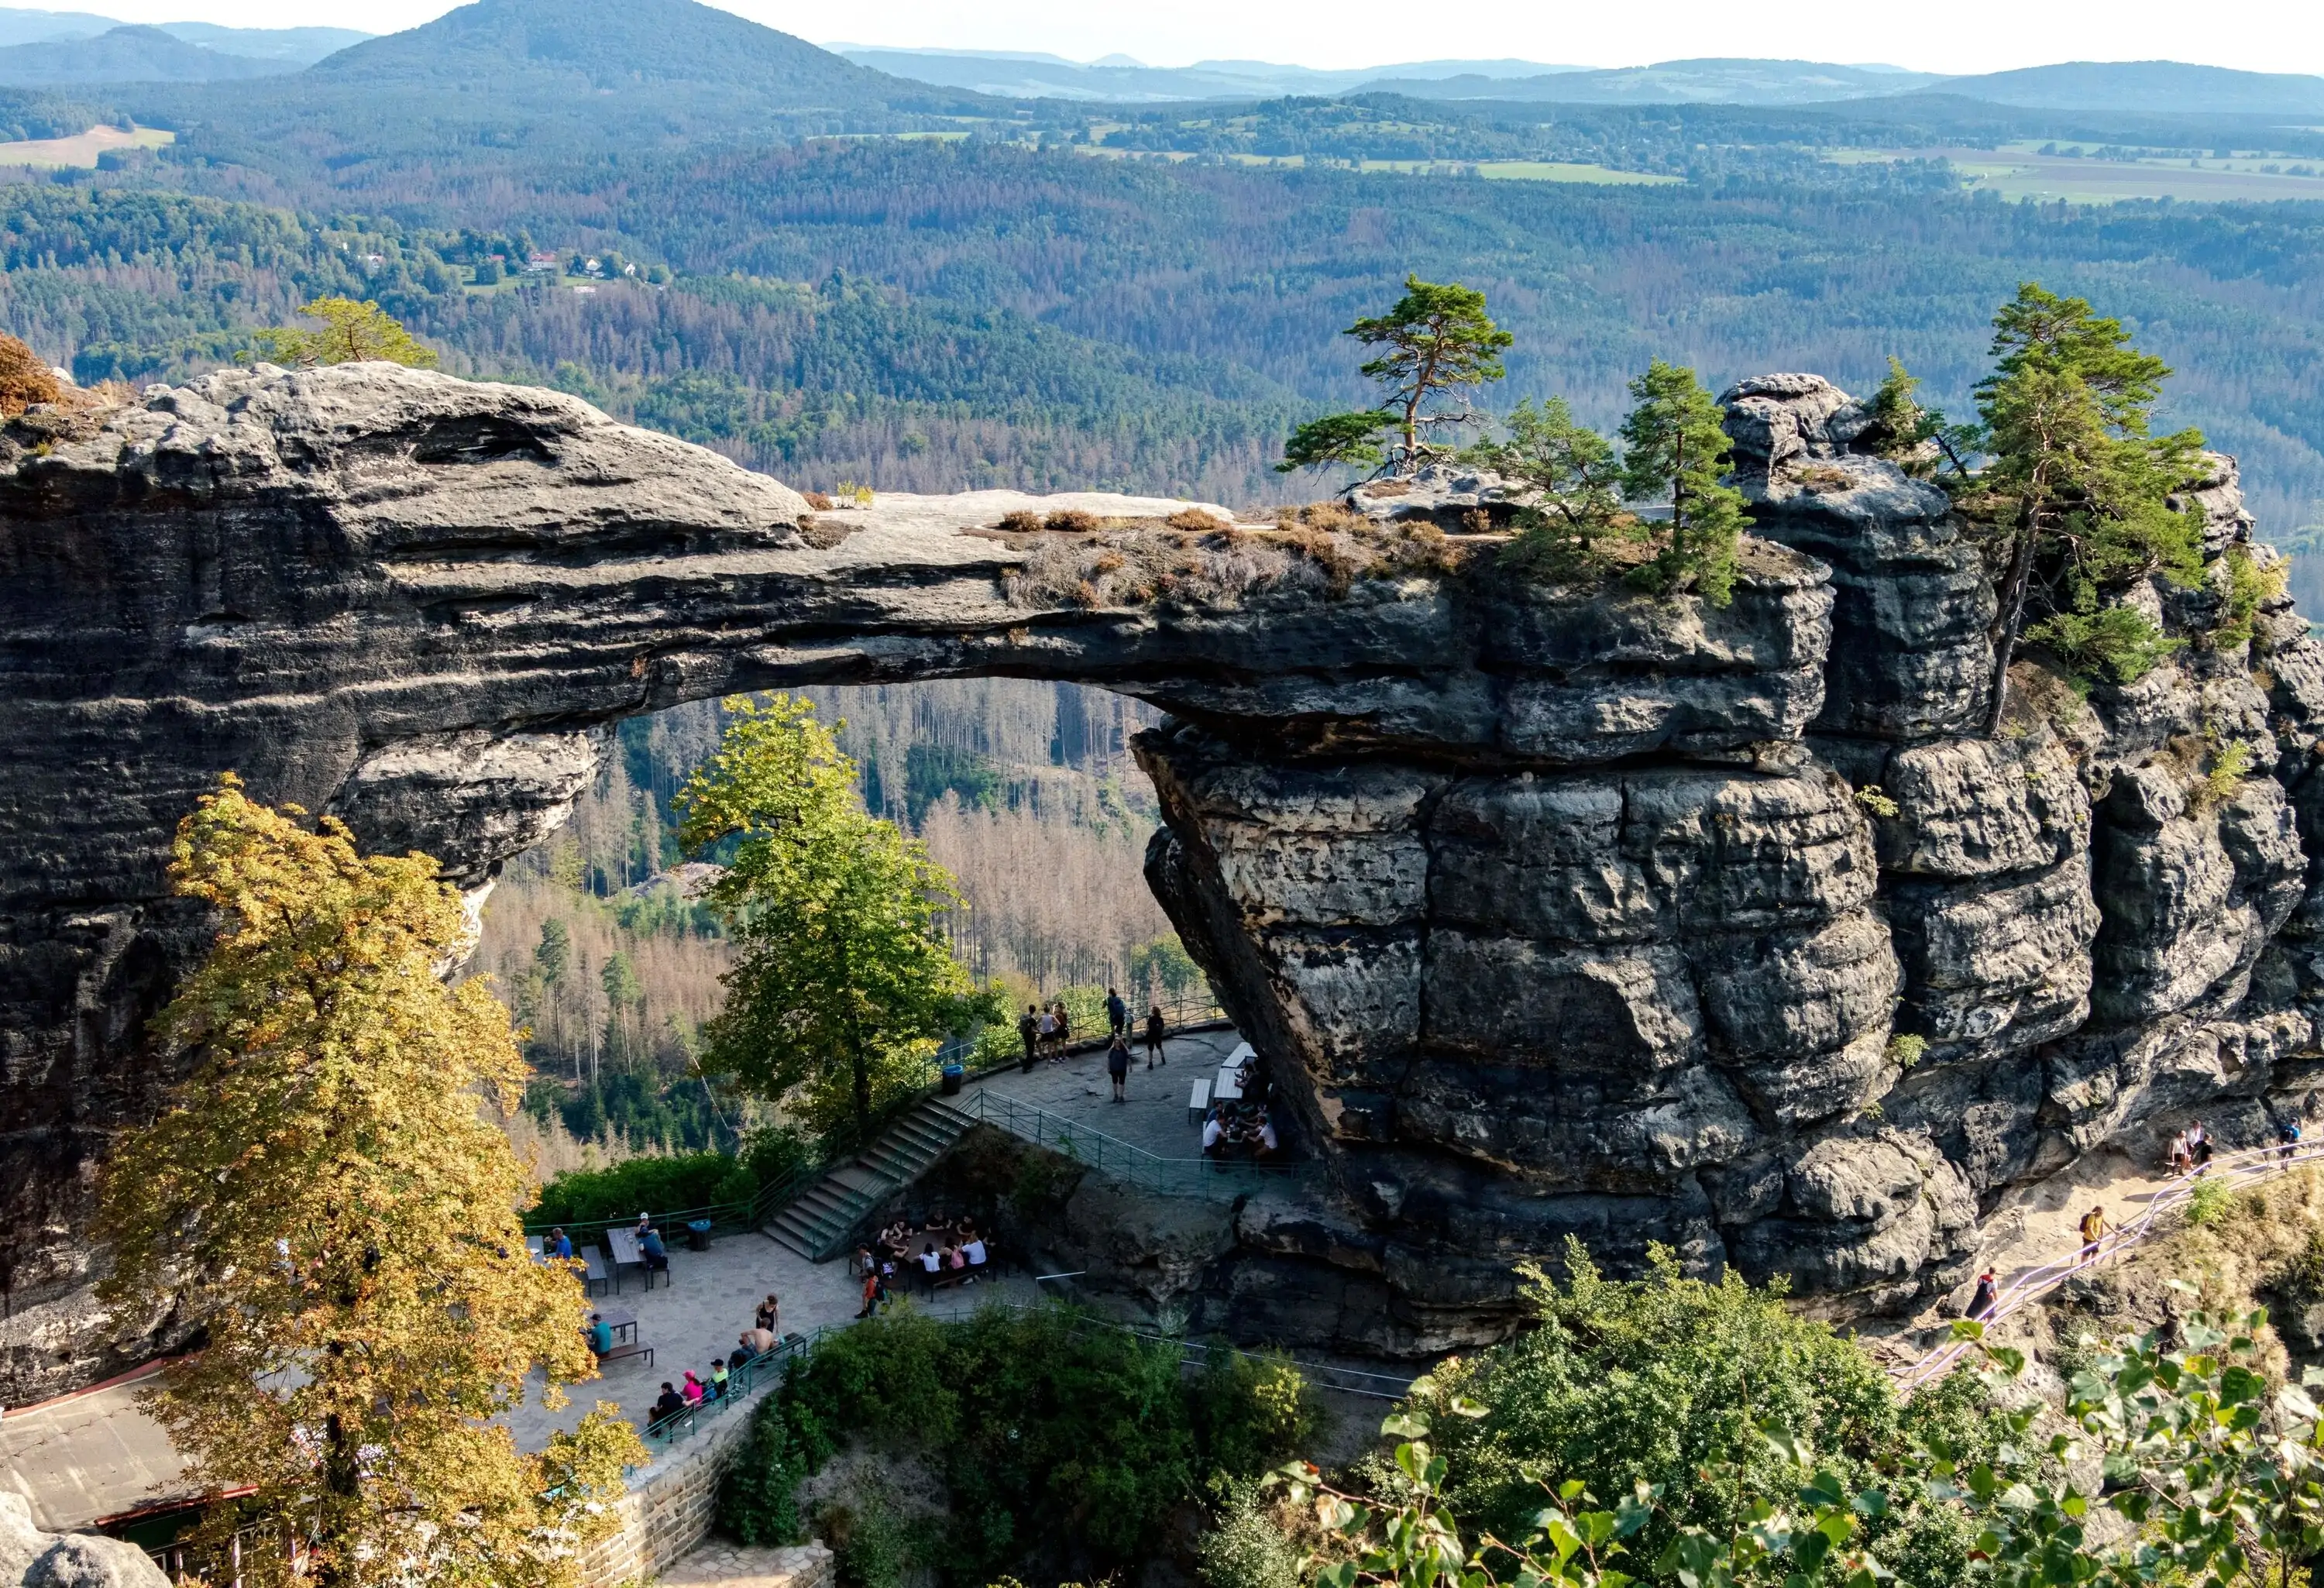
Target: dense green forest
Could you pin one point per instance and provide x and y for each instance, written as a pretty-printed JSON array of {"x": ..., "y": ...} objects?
[{"x": 937, "y": 316}]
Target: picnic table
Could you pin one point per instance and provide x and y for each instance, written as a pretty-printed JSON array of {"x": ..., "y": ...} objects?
[
  {"x": 622, "y": 1323},
  {"x": 532, "y": 1244},
  {"x": 1230, "y": 1087},
  {"x": 624, "y": 1245}
]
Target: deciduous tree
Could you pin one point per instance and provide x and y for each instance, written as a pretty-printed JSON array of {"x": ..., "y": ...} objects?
[
  {"x": 844, "y": 976},
  {"x": 325, "y": 1201}
]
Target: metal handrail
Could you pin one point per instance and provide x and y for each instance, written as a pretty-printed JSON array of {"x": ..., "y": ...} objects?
[
  {"x": 1122, "y": 1160},
  {"x": 2250, "y": 1164}
]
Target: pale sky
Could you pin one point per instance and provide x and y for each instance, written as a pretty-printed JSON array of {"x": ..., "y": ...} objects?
[{"x": 1961, "y": 36}]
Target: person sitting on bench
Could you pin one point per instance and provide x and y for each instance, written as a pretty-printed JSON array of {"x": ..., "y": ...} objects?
[
  {"x": 931, "y": 1265},
  {"x": 656, "y": 1256},
  {"x": 666, "y": 1407},
  {"x": 601, "y": 1335}
]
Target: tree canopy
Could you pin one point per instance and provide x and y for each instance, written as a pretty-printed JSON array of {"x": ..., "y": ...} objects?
[
  {"x": 845, "y": 977},
  {"x": 2080, "y": 485},
  {"x": 350, "y": 332},
  {"x": 323, "y": 1199},
  {"x": 1434, "y": 340}
]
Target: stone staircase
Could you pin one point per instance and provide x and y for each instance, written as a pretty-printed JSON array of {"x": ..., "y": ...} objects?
[{"x": 820, "y": 1222}]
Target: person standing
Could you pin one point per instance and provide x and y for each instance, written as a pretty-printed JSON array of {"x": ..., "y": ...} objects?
[
  {"x": 1049, "y": 1032},
  {"x": 1154, "y": 1031},
  {"x": 1117, "y": 1065},
  {"x": 770, "y": 1316},
  {"x": 1117, "y": 1012},
  {"x": 870, "y": 1296},
  {"x": 1981, "y": 1304},
  {"x": 2094, "y": 1227},
  {"x": 1065, "y": 1028},
  {"x": 1029, "y": 1031}
]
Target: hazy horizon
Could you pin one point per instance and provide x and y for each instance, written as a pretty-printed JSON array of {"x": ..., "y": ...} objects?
[{"x": 1980, "y": 36}]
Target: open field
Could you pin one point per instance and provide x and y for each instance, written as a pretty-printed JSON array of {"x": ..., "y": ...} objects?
[
  {"x": 1552, "y": 170},
  {"x": 81, "y": 149},
  {"x": 2016, "y": 173}
]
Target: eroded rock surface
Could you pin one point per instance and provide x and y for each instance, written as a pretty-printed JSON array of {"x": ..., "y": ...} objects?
[{"x": 1559, "y": 911}]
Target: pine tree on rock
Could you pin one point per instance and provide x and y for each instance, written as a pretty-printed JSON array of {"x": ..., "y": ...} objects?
[
  {"x": 1674, "y": 447},
  {"x": 2081, "y": 486},
  {"x": 1435, "y": 340}
]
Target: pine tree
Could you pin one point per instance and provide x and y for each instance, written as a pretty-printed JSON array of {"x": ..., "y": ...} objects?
[
  {"x": 350, "y": 332},
  {"x": 2081, "y": 484},
  {"x": 323, "y": 1200},
  {"x": 1673, "y": 446},
  {"x": 1437, "y": 338},
  {"x": 1578, "y": 484}
]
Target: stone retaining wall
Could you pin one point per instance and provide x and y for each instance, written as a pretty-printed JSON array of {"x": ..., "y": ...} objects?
[{"x": 668, "y": 1507}]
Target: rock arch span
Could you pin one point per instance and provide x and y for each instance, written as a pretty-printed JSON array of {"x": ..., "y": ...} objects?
[{"x": 1559, "y": 902}]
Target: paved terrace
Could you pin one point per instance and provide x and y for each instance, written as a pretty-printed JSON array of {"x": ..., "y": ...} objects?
[
  {"x": 1154, "y": 1118},
  {"x": 95, "y": 1455}
]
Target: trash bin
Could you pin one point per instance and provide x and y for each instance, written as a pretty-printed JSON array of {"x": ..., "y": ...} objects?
[
  {"x": 698, "y": 1234},
  {"x": 953, "y": 1075}
]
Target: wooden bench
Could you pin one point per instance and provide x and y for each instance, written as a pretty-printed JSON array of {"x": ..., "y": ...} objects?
[
  {"x": 1198, "y": 1102},
  {"x": 593, "y": 1270},
  {"x": 623, "y": 1353}
]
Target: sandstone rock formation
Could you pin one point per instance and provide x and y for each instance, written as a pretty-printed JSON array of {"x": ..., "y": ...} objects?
[
  {"x": 30, "y": 1558},
  {"x": 1561, "y": 910}
]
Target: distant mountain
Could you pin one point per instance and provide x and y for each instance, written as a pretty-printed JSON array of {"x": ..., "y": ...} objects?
[
  {"x": 34, "y": 27},
  {"x": 128, "y": 55},
  {"x": 1115, "y": 80},
  {"x": 2169, "y": 87},
  {"x": 300, "y": 46},
  {"x": 1683, "y": 82},
  {"x": 524, "y": 49}
]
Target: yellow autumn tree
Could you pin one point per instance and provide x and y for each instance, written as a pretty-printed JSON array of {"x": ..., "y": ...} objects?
[{"x": 324, "y": 1199}]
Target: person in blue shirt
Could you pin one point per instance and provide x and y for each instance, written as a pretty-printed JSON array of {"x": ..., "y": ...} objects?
[
  {"x": 560, "y": 1244},
  {"x": 601, "y": 1334},
  {"x": 651, "y": 1247},
  {"x": 1117, "y": 1012}
]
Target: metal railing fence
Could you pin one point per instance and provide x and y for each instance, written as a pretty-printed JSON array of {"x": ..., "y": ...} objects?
[
  {"x": 2245, "y": 1167},
  {"x": 1215, "y": 1179}
]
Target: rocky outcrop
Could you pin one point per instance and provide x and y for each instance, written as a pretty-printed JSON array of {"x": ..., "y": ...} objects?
[
  {"x": 30, "y": 1558},
  {"x": 1558, "y": 909}
]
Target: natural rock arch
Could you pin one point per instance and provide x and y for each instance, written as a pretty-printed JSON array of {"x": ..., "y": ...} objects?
[{"x": 1558, "y": 904}]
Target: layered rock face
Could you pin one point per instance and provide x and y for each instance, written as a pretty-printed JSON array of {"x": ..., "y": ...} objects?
[
  {"x": 1642, "y": 994},
  {"x": 1558, "y": 910}
]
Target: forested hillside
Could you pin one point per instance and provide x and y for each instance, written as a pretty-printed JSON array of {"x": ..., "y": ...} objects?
[{"x": 1025, "y": 791}]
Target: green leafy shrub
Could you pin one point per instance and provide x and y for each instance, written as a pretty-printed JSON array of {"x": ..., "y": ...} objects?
[
  {"x": 2115, "y": 644},
  {"x": 1666, "y": 1381},
  {"x": 654, "y": 1185},
  {"x": 1048, "y": 1432},
  {"x": 1245, "y": 1548},
  {"x": 2209, "y": 1202}
]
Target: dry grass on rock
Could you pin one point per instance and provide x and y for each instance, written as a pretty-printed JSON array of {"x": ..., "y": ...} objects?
[{"x": 1194, "y": 557}]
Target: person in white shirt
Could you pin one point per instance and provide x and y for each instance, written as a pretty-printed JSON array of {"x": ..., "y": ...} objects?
[
  {"x": 931, "y": 1264},
  {"x": 1212, "y": 1129},
  {"x": 975, "y": 1250},
  {"x": 1266, "y": 1132}
]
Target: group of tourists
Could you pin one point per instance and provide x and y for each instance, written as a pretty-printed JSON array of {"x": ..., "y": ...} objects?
[
  {"x": 950, "y": 1253},
  {"x": 1047, "y": 1033},
  {"x": 716, "y": 1383},
  {"x": 1239, "y": 1129},
  {"x": 2190, "y": 1150}
]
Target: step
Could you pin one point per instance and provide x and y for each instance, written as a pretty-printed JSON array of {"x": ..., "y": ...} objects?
[{"x": 820, "y": 1221}]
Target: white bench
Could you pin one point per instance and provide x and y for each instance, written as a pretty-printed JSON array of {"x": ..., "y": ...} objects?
[
  {"x": 1198, "y": 1104},
  {"x": 1244, "y": 1050}
]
